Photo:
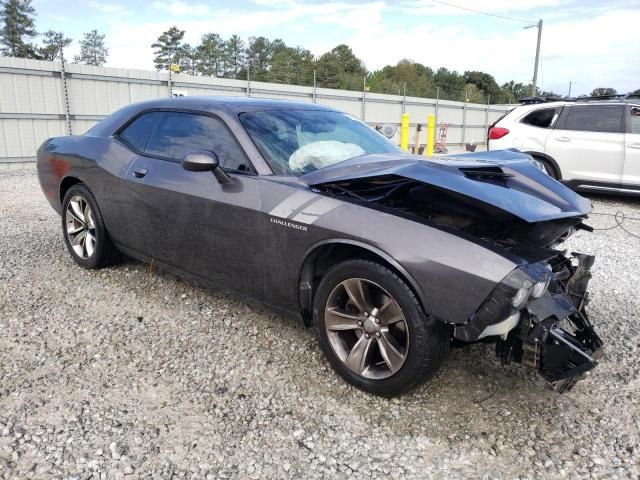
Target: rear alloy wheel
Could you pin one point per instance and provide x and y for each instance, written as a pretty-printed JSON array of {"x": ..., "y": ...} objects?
[
  {"x": 84, "y": 232},
  {"x": 373, "y": 331},
  {"x": 81, "y": 227}
]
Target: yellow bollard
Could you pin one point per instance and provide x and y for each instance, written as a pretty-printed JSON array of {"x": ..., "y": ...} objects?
[
  {"x": 431, "y": 134},
  {"x": 404, "y": 132}
]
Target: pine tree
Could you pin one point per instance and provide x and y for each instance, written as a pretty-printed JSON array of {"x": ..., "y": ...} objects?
[
  {"x": 189, "y": 59},
  {"x": 234, "y": 55},
  {"x": 17, "y": 28},
  {"x": 210, "y": 55},
  {"x": 168, "y": 48},
  {"x": 92, "y": 49},
  {"x": 53, "y": 44},
  {"x": 259, "y": 55}
]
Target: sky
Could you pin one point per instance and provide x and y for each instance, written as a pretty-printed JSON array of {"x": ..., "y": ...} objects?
[{"x": 588, "y": 42}]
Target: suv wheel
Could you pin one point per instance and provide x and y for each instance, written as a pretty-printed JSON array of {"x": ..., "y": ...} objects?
[
  {"x": 373, "y": 331},
  {"x": 550, "y": 169}
]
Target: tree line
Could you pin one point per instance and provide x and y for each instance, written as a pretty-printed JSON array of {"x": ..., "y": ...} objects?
[
  {"x": 263, "y": 59},
  {"x": 18, "y": 37}
]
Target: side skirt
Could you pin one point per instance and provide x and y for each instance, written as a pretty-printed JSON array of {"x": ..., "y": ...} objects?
[
  {"x": 254, "y": 302},
  {"x": 603, "y": 187}
]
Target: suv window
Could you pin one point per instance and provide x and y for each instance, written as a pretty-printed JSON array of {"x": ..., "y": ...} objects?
[
  {"x": 542, "y": 118},
  {"x": 635, "y": 119},
  {"x": 177, "y": 133},
  {"x": 137, "y": 132},
  {"x": 595, "y": 118}
]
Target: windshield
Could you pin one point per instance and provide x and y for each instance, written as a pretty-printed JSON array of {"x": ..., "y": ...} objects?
[{"x": 301, "y": 141}]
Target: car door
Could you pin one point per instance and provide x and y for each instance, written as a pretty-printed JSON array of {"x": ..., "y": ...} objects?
[
  {"x": 588, "y": 145},
  {"x": 190, "y": 220},
  {"x": 131, "y": 140},
  {"x": 631, "y": 177}
]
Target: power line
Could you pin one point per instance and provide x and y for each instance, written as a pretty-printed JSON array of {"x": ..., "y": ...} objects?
[{"x": 503, "y": 17}]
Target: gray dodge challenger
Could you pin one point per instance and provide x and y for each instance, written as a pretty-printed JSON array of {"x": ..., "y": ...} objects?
[{"x": 392, "y": 258}]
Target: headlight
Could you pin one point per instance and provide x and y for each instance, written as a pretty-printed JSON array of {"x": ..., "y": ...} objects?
[
  {"x": 522, "y": 295},
  {"x": 539, "y": 288}
]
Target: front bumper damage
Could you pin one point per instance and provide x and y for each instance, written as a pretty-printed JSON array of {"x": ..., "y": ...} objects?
[{"x": 551, "y": 333}]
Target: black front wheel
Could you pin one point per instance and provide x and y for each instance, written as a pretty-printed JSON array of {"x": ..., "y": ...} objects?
[
  {"x": 84, "y": 232},
  {"x": 373, "y": 330}
]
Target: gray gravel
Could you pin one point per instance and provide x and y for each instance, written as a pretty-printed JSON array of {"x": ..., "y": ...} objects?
[{"x": 127, "y": 373}]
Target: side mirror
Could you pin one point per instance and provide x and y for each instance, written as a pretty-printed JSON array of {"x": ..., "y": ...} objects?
[{"x": 204, "y": 161}]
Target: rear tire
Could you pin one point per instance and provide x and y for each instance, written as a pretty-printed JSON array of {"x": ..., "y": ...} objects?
[
  {"x": 83, "y": 229},
  {"x": 373, "y": 331}
]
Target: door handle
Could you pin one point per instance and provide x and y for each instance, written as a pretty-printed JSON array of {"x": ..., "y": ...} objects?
[
  {"x": 140, "y": 172},
  {"x": 634, "y": 145},
  {"x": 563, "y": 139}
]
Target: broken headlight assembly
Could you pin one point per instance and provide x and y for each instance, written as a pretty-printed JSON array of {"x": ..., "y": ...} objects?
[{"x": 538, "y": 315}]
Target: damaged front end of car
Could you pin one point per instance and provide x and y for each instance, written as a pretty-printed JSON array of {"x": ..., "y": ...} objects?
[
  {"x": 500, "y": 200},
  {"x": 538, "y": 315}
]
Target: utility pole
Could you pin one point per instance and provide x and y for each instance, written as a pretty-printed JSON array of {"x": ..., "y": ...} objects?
[
  {"x": 569, "y": 94},
  {"x": 535, "y": 68}
]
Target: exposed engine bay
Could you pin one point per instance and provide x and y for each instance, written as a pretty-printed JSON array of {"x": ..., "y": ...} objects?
[{"x": 446, "y": 208}]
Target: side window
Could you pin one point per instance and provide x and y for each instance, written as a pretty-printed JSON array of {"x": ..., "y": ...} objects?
[
  {"x": 635, "y": 119},
  {"x": 595, "y": 118},
  {"x": 137, "y": 132},
  {"x": 178, "y": 133},
  {"x": 542, "y": 118}
]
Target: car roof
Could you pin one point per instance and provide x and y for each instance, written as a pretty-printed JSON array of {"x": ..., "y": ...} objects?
[
  {"x": 610, "y": 100},
  {"x": 229, "y": 104},
  {"x": 530, "y": 107}
]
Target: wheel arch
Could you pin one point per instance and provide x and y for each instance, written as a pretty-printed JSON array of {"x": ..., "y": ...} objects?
[
  {"x": 66, "y": 184},
  {"x": 550, "y": 160},
  {"x": 327, "y": 253}
]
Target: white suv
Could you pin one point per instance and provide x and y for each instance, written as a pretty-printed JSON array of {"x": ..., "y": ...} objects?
[{"x": 587, "y": 144}]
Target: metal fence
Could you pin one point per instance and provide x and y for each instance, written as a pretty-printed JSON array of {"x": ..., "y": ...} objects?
[{"x": 40, "y": 99}]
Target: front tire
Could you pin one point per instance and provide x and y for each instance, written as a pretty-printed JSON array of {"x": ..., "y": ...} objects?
[
  {"x": 373, "y": 330},
  {"x": 84, "y": 232}
]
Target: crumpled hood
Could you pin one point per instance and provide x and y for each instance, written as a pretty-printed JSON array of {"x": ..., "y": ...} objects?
[{"x": 505, "y": 179}]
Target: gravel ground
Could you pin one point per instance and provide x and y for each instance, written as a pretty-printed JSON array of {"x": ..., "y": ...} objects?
[{"x": 126, "y": 373}]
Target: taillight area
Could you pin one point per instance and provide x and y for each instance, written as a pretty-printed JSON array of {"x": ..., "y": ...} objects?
[{"x": 497, "y": 132}]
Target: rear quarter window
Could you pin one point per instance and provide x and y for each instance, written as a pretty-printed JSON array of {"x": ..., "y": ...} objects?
[
  {"x": 635, "y": 119},
  {"x": 136, "y": 134},
  {"x": 595, "y": 118},
  {"x": 542, "y": 118}
]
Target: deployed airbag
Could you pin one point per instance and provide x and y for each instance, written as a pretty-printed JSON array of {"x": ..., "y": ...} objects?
[{"x": 322, "y": 154}]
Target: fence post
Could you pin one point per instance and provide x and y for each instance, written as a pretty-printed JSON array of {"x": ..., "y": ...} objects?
[
  {"x": 315, "y": 100},
  {"x": 486, "y": 123},
  {"x": 363, "y": 110},
  {"x": 404, "y": 98},
  {"x": 248, "y": 80},
  {"x": 65, "y": 92},
  {"x": 437, "y": 101},
  {"x": 464, "y": 120}
]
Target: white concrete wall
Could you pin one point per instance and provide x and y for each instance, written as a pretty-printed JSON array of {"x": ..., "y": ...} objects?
[{"x": 32, "y": 103}]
